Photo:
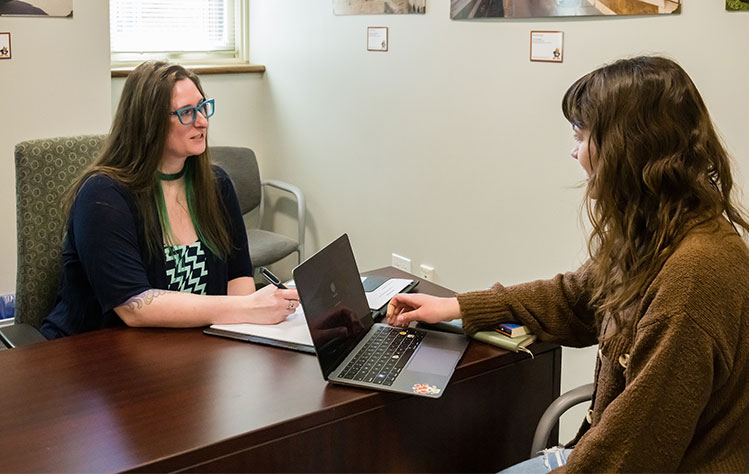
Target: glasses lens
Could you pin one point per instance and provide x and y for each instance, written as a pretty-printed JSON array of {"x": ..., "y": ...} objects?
[
  {"x": 186, "y": 115},
  {"x": 206, "y": 108}
]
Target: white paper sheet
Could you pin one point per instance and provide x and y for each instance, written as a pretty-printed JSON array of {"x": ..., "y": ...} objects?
[
  {"x": 293, "y": 329},
  {"x": 382, "y": 294}
]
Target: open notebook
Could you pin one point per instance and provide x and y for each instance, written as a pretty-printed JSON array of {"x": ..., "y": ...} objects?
[
  {"x": 293, "y": 332},
  {"x": 290, "y": 334}
]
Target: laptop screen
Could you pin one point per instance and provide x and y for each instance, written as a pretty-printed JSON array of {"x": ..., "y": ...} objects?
[{"x": 334, "y": 302}]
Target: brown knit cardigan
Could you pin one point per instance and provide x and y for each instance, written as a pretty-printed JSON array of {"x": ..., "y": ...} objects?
[{"x": 673, "y": 396}]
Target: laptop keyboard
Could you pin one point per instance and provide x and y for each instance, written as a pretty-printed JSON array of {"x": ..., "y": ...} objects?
[{"x": 384, "y": 355}]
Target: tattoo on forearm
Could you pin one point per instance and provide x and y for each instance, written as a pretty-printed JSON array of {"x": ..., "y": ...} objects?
[{"x": 142, "y": 299}]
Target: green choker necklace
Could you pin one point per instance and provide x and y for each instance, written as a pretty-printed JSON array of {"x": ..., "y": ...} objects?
[{"x": 173, "y": 176}]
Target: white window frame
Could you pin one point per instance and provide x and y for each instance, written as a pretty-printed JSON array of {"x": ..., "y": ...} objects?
[{"x": 239, "y": 56}]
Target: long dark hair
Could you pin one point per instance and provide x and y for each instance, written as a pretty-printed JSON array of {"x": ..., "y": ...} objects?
[
  {"x": 133, "y": 150},
  {"x": 659, "y": 168}
]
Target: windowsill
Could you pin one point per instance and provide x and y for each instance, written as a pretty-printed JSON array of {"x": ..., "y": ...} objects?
[{"x": 124, "y": 71}]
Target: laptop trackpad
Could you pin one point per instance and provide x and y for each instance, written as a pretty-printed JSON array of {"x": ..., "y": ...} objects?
[{"x": 434, "y": 361}]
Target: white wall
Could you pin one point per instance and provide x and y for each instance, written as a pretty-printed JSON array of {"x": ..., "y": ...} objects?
[
  {"x": 451, "y": 148},
  {"x": 453, "y": 139},
  {"x": 57, "y": 83}
]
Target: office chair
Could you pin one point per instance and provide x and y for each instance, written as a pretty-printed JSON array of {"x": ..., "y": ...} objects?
[
  {"x": 551, "y": 416},
  {"x": 265, "y": 247},
  {"x": 44, "y": 170}
]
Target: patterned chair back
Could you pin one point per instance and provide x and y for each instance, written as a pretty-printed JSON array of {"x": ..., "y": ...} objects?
[{"x": 44, "y": 171}]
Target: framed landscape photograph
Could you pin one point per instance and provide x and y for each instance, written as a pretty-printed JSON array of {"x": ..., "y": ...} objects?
[
  {"x": 36, "y": 8},
  {"x": 378, "y": 7},
  {"x": 470, "y": 9},
  {"x": 737, "y": 5}
]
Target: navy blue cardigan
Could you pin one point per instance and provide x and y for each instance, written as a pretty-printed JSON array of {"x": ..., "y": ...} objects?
[{"x": 105, "y": 262}]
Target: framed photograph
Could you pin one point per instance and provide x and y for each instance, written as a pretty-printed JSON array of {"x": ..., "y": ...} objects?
[
  {"x": 547, "y": 46},
  {"x": 470, "y": 9},
  {"x": 377, "y": 38},
  {"x": 378, "y": 7},
  {"x": 36, "y": 8},
  {"x": 737, "y": 5},
  {"x": 5, "y": 46}
]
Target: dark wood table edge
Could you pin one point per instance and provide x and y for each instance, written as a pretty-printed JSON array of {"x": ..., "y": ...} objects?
[
  {"x": 480, "y": 358},
  {"x": 369, "y": 400}
]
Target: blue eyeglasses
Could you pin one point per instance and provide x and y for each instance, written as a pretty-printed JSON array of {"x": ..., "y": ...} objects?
[{"x": 188, "y": 115}]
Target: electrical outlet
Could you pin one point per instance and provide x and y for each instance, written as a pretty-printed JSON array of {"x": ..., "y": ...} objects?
[
  {"x": 402, "y": 263},
  {"x": 426, "y": 272}
]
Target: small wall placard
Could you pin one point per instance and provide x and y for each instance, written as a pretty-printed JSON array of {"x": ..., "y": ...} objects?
[
  {"x": 5, "y": 46},
  {"x": 377, "y": 38},
  {"x": 547, "y": 46}
]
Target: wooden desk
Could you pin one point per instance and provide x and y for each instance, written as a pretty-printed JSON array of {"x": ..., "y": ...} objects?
[{"x": 169, "y": 400}]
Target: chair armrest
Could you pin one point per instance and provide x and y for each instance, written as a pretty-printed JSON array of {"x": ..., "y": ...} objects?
[
  {"x": 550, "y": 417},
  {"x": 301, "y": 207},
  {"x": 20, "y": 335}
]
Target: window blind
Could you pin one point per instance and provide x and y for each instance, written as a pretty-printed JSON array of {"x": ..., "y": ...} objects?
[{"x": 144, "y": 26}]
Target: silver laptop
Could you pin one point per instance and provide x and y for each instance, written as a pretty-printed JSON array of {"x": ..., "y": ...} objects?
[{"x": 351, "y": 348}]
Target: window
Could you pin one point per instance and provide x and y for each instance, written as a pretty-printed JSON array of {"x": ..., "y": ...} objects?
[{"x": 184, "y": 31}]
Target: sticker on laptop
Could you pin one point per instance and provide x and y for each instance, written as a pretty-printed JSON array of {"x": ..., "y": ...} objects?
[{"x": 426, "y": 389}]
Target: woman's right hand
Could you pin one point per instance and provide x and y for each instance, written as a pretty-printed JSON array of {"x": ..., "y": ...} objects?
[
  {"x": 404, "y": 308},
  {"x": 271, "y": 305}
]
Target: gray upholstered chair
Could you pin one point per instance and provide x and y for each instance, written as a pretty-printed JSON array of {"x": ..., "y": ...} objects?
[
  {"x": 265, "y": 247},
  {"x": 44, "y": 171}
]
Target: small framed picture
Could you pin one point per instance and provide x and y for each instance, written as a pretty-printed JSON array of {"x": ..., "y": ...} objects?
[
  {"x": 377, "y": 38},
  {"x": 547, "y": 46},
  {"x": 5, "y": 46}
]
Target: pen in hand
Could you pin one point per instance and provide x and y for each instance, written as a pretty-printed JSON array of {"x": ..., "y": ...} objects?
[
  {"x": 275, "y": 281},
  {"x": 272, "y": 279}
]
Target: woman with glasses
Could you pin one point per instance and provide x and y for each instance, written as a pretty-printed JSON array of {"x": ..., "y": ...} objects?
[
  {"x": 155, "y": 236},
  {"x": 664, "y": 293}
]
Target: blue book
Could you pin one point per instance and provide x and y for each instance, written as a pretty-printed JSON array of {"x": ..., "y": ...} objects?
[{"x": 513, "y": 330}]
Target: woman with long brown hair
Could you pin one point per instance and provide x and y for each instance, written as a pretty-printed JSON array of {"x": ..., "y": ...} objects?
[
  {"x": 665, "y": 292},
  {"x": 155, "y": 236}
]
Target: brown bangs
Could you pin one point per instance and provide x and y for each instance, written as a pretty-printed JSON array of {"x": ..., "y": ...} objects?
[{"x": 576, "y": 103}]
